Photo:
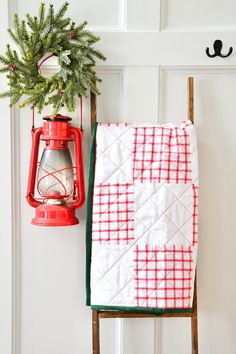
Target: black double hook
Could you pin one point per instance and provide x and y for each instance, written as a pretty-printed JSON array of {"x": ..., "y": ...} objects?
[{"x": 217, "y": 48}]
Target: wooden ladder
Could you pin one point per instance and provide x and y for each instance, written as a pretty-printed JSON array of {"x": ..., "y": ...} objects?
[{"x": 99, "y": 314}]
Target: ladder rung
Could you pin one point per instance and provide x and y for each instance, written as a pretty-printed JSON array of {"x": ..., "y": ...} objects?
[{"x": 123, "y": 314}]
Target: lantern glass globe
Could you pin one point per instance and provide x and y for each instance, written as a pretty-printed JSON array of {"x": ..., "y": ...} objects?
[{"x": 55, "y": 179}]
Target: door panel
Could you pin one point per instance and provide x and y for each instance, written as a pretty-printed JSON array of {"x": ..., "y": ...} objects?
[
  {"x": 6, "y": 207},
  {"x": 139, "y": 336},
  {"x": 190, "y": 14},
  {"x": 215, "y": 124},
  {"x": 140, "y": 20},
  {"x": 92, "y": 11},
  {"x": 109, "y": 103},
  {"x": 144, "y": 80},
  {"x": 140, "y": 93}
]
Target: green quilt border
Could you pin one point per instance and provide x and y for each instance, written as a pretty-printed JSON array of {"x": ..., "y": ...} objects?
[
  {"x": 89, "y": 207},
  {"x": 153, "y": 310}
]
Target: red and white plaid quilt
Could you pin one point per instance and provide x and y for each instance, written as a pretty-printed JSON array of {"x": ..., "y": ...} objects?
[{"x": 144, "y": 216}]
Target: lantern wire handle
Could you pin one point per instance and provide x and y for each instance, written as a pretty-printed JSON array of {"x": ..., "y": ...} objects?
[
  {"x": 33, "y": 109},
  {"x": 81, "y": 112},
  {"x": 80, "y": 97},
  {"x": 33, "y": 118}
]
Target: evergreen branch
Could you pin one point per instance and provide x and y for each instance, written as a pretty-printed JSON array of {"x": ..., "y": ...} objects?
[
  {"x": 5, "y": 94},
  {"x": 13, "y": 36},
  {"x": 4, "y": 70},
  {"x": 80, "y": 27},
  {"x": 41, "y": 15},
  {"x": 15, "y": 98},
  {"x": 23, "y": 30},
  {"x": 16, "y": 23},
  {"x": 50, "y": 16},
  {"x": 50, "y": 33},
  {"x": 9, "y": 54},
  {"x": 30, "y": 22},
  {"x": 61, "y": 12},
  {"x": 4, "y": 60}
]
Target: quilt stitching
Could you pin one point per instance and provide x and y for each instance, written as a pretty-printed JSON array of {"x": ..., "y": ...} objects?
[
  {"x": 147, "y": 229},
  {"x": 179, "y": 199},
  {"x": 165, "y": 146},
  {"x": 118, "y": 213},
  {"x": 165, "y": 263},
  {"x": 105, "y": 276},
  {"x": 178, "y": 168},
  {"x": 118, "y": 167},
  {"x": 114, "y": 286},
  {"x": 133, "y": 277},
  {"x": 135, "y": 151},
  {"x": 158, "y": 187},
  {"x": 176, "y": 199},
  {"x": 120, "y": 290},
  {"x": 134, "y": 243},
  {"x": 117, "y": 138},
  {"x": 154, "y": 163},
  {"x": 120, "y": 260}
]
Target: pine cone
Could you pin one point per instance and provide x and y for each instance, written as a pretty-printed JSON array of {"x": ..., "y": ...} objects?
[
  {"x": 71, "y": 35},
  {"x": 60, "y": 92},
  {"x": 11, "y": 67}
]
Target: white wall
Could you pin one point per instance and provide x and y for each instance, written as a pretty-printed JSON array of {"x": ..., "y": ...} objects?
[
  {"x": 151, "y": 47},
  {"x": 5, "y": 209}
]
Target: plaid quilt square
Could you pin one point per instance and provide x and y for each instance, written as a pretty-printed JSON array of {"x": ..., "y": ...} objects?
[
  {"x": 163, "y": 277},
  {"x": 113, "y": 213},
  {"x": 161, "y": 154}
]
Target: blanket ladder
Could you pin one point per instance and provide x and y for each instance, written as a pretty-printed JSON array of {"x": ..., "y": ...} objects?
[{"x": 99, "y": 314}]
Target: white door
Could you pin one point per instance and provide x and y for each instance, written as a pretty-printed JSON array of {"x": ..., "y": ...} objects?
[
  {"x": 6, "y": 207},
  {"x": 151, "y": 47}
]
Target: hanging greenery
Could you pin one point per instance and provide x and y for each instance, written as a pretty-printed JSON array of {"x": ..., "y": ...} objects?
[{"x": 43, "y": 36}]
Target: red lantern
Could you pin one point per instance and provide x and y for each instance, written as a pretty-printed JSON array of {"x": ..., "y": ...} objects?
[{"x": 59, "y": 184}]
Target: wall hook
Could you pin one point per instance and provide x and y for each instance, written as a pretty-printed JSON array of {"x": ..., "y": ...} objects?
[{"x": 217, "y": 45}]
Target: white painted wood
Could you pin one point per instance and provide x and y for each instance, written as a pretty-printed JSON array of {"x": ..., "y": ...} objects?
[
  {"x": 140, "y": 20},
  {"x": 109, "y": 336},
  {"x": 215, "y": 123},
  {"x": 157, "y": 336},
  {"x": 52, "y": 281},
  {"x": 193, "y": 15},
  {"x": 175, "y": 336},
  {"x": 109, "y": 104},
  {"x": 119, "y": 336},
  {"x": 139, "y": 336},
  {"x": 16, "y": 234},
  {"x": 6, "y": 209},
  {"x": 144, "y": 79},
  {"x": 103, "y": 14},
  {"x": 165, "y": 48},
  {"x": 136, "y": 104}
]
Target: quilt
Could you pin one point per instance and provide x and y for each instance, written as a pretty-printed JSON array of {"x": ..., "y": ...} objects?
[{"x": 142, "y": 217}]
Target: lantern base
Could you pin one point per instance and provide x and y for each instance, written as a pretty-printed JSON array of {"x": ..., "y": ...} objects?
[{"x": 54, "y": 215}]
